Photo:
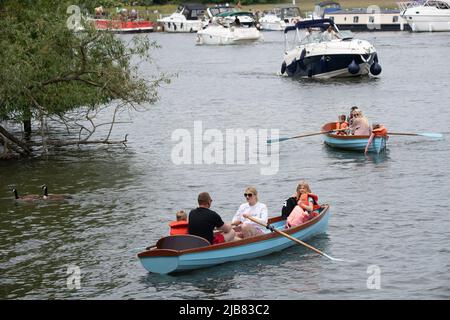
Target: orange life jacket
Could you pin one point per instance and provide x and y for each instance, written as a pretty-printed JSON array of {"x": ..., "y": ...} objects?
[
  {"x": 178, "y": 227},
  {"x": 341, "y": 125},
  {"x": 304, "y": 199},
  {"x": 380, "y": 132}
]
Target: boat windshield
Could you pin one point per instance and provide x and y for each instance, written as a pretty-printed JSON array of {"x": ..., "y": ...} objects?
[
  {"x": 290, "y": 12},
  {"x": 216, "y": 10},
  {"x": 437, "y": 4},
  {"x": 316, "y": 36}
]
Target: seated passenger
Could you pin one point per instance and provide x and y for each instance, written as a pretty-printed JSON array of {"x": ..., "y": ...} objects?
[
  {"x": 342, "y": 125},
  {"x": 244, "y": 227},
  {"x": 360, "y": 125},
  {"x": 203, "y": 220},
  {"x": 329, "y": 34},
  {"x": 307, "y": 203},
  {"x": 179, "y": 226}
]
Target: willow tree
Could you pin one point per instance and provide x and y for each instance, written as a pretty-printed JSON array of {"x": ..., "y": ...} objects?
[{"x": 55, "y": 65}]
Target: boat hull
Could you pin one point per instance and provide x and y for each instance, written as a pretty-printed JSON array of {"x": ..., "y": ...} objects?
[
  {"x": 218, "y": 35},
  {"x": 353, "y": 143},
  {"x": 118, "y": 26},
  {"x": 179, "y": 261},
  {"x": 329, "y": 66}
]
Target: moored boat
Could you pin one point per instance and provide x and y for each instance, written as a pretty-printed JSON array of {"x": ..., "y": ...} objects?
[
  {"x": 189, "y": 17},
  {"x": 427, "y": 16},
  {"x": 186, "y": 252},
  {"x": 222, "y": 30},
  {"x": 352, "y": 142},
  {"x": 120, "y": 26}
]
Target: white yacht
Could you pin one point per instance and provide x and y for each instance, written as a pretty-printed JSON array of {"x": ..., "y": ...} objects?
[
  {"x": 427, "y": 16},
  {"x": 189, "y": 17},
  {"x": 280, "y": 18},
  {"x": 229, "y": 28},
  {"x": 314, "y": 55}
]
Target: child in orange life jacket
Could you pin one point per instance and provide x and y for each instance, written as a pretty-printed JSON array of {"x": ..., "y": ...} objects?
[
  {"x": 307, "y": 203},
  {"x": 378, "y": 130},
  {"x": 342, "y": 124},
  {"x": 180, "y": 226}
]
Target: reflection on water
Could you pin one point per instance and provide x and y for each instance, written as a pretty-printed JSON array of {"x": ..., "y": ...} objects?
[{"x": 356, "y": 156}]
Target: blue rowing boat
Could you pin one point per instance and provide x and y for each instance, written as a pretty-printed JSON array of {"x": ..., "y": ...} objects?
[
  {"x": 351, "y": 142},
  {"x": 187, "y": 252}
]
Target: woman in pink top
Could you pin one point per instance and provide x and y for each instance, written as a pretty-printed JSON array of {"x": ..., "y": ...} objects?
[{"x": 360, "y": 125}]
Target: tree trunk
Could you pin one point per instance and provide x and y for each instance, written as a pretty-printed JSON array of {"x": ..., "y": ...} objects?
[{"x": 27, "y": 129}]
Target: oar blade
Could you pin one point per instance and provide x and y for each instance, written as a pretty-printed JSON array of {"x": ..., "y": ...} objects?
[
  {"x": 276, "y": 140},
  {"x": 432, "y": 135}
]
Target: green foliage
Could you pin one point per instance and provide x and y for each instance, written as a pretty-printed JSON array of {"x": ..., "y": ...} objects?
[{"x": 48, "y": 69}]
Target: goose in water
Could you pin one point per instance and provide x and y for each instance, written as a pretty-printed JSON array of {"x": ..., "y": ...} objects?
[
  {"x": 47, "y": 196},
  {"x": 28, "y": 197}
]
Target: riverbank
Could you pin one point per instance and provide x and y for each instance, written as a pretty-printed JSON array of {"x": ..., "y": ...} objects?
[{"x": 153, "y": 12}]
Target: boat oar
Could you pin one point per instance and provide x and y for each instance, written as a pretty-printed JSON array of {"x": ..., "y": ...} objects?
[
  {"x": 271, "y": 228},
  {"x": 303, "y": 135},
  {"x": 423, "y": 134}
]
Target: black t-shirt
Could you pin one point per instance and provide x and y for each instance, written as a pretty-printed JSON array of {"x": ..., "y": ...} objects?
[
  {"x": 288, "y": 206},
  {"x": 202, "y": 222}
]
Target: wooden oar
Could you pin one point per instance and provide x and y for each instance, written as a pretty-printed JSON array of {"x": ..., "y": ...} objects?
[
  {"x": 423, "y": 134},
  {"x": 271, "y": 228},
  {"x": 303, "y": 135}
]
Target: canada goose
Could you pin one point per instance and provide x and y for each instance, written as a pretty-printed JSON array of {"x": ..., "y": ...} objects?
[
  {"x": 28, "y": 197},
  {"x": 47, "y": 196}
]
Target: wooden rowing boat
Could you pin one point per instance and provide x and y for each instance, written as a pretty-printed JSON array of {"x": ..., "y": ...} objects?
[
  {"x": 351, "y": 142},
  {"x": 186, "y": 252}
]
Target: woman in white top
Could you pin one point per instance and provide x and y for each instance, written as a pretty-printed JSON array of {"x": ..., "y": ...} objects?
[{"x": 244, "y": 227}]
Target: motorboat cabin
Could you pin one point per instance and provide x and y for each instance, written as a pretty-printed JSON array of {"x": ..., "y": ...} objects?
[{"x": 188, "y": 18}]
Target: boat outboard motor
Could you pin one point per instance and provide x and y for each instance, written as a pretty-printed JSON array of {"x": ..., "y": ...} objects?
[
  {"x": 353, "y": 67},
  {"x": 375, "y": 68}
]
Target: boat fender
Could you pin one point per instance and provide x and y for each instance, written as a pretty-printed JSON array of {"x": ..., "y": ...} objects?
[
  {"x": 174, "y": 27},
  {"x": 353, "y": 67},
  {"x": 168, "y": 25},
  {"x": 375, "y": 68},
  {"x": 303, "y": 54},
  {"x": 283, "y": 67},
  {"x": 181, "y": 25}
]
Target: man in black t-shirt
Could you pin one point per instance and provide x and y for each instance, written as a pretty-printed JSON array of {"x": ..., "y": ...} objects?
[{"x": 202, "y": 222}]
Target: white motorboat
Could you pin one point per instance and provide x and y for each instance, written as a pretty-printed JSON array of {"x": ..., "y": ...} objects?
[
  {"x": 316, "y": 56},
  {"x": 280, "y": 18},
  {"x": 229, "y": 28},
  {"x": 427, "y": 16},
  {"x": 188, "y": 18}
]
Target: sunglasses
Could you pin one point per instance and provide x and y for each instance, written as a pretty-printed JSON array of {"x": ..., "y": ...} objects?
[{"x": 248, "y": 195}]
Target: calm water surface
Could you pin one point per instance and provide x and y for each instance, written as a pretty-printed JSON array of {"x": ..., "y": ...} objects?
[{"x": 390, "y": 210}]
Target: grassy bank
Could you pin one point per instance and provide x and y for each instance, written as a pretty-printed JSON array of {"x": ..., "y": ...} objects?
[{"x": 153, "y": 12}]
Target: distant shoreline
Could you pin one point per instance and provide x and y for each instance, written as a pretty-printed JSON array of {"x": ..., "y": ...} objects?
[{"x": 153, "y": 12}]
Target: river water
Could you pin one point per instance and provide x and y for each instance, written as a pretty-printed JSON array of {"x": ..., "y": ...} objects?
[{"x": 390, "y": 213}]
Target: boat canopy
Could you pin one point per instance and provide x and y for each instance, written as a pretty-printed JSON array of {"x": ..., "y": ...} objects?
[
  {"x": 319, "y": 23},
  {"x": 329, "y": 3},
  {"x": 232, "y": 14},
  {"x": 194, "y": 6}
]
